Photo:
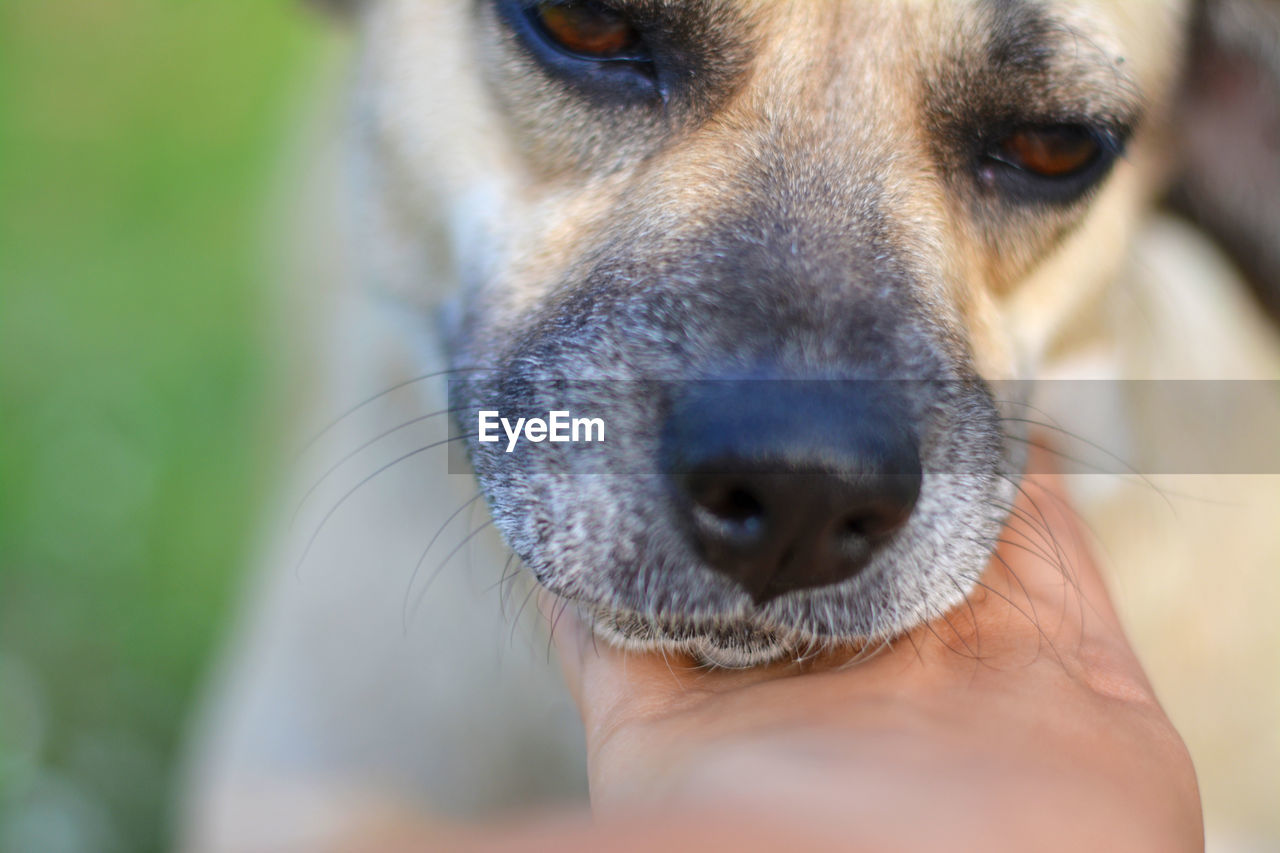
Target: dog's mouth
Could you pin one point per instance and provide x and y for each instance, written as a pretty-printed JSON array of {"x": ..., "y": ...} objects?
[{"x": 719, "y": 642}]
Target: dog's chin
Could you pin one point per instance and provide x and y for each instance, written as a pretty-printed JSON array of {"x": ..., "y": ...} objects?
[{"x": 722, "y": 643}]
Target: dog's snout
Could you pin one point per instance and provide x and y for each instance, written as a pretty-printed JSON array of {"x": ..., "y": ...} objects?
[{"x": 791, "y": 485}]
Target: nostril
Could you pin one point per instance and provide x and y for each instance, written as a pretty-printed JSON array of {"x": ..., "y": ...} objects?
[
  {"x": 855, "y": 535},
  {"x": 734, "y": 504},
  {"x": 874, "y": 522},
  {"x": 859, "y": 526},
  {"x": 730, "y": 509}
]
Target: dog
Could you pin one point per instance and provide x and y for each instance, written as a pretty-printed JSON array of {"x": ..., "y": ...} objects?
[{"x": 782, "y": 252}]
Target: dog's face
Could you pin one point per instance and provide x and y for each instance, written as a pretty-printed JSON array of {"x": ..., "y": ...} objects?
[{"x": 786, "y": 241}]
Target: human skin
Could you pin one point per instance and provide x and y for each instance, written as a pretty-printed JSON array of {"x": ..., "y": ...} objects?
[{"x": 1021, "y": 721}]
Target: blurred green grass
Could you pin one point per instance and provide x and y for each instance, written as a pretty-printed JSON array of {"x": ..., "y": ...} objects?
[{"x": 139, "y": 143}]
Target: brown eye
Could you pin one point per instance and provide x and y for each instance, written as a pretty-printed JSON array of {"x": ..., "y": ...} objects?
[
  {"x": 587, "y": 29},
  {"x": 1051, "y": 152}
]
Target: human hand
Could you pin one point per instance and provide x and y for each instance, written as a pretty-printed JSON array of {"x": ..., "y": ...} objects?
[{"x": 1021, "y": 721}]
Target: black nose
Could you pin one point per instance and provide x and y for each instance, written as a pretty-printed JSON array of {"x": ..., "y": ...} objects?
[{"x": 790, "y": 485}]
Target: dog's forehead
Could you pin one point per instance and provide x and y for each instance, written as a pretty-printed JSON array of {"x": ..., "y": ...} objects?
[
  {"x": 1083, "y": 43},
  {"x": 848, "y": 28}
]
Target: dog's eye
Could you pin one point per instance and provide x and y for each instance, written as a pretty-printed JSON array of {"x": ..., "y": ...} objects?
[
  {"x": 1050, "y": 152},
  {"x": 1049, "y": 164},
  {"x": 602, "y": 52},
  {"x": 587, "y": 29}
]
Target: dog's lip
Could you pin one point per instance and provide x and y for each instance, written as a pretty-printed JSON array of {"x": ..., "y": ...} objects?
[{"x": 730, "y": 640}]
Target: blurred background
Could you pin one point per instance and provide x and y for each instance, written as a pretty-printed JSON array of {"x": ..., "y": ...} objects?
[{"x": 141, "y": 148}]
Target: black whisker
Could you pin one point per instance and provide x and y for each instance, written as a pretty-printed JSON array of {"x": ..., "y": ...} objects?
[
  {"x": 413, "y": 577},
  {"x": 1033, "y": 617},
  {"x": 1041, "y": 527},
  {"x": 1042, "y": 545},
  {"x": 563, "y": 605},
  {"x": 928, "y": 624},
  {"x": 505, "y": 576},
  {"x": 358, "y": 486},
  {"x": 915, "y": 646},
  {"x": 417, "y": 601},
  {"x": 973, "y": 617},
  {"x": 1063, "y": 564},
  {"x": 325, "y": 476},
  {"x": 358, "y": 406},
  {"x": 1066, "y": 506},
  {"x": 1129, "y": 468},
  {"x": 515, "y": 623},
  {"x": 972, "y": 654}
]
